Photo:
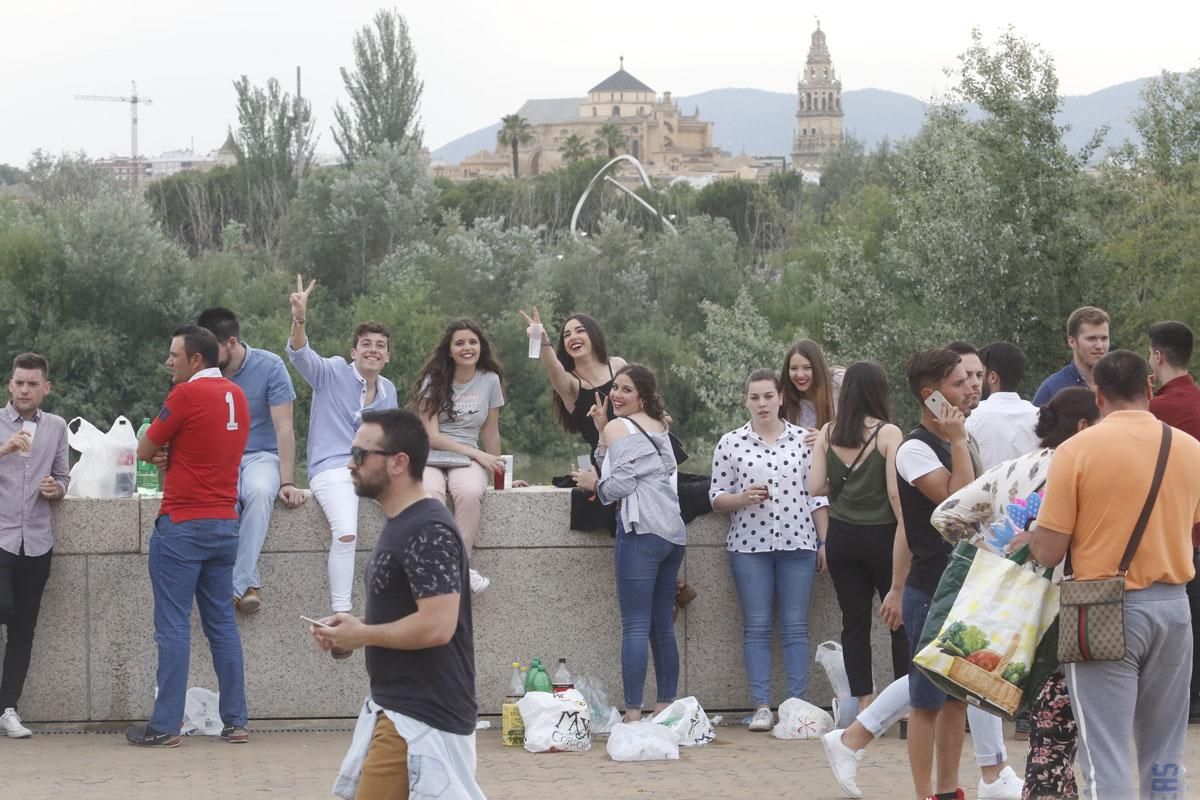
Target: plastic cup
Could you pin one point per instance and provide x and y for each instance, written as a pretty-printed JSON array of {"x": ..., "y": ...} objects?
[
  {"x": 535, "y": 341},
  {"x": 503, "y": 480}
]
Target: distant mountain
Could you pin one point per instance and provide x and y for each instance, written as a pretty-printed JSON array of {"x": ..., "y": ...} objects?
[{"x": 761, "y": 123}]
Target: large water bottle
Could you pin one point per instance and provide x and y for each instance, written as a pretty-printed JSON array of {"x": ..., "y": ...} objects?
[
  {"x": 147, "y": 473},
  {"x": 562, "y": 678},
  {"x": 538, "y": 680},
  {"x": 123, "y": 450}
]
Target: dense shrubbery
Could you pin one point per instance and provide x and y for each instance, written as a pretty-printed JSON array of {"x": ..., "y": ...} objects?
[{"x": 981, "y": 230}]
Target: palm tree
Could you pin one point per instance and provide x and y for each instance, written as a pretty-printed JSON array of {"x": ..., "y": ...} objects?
[
  {"x": 515, "y": 131},
  {"x": 609, "y": 137},
  {"x": 574, "y": 148}
]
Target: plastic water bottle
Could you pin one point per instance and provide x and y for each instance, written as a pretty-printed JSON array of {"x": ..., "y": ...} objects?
[
  {"x": 562, "y": 678},
  {"x": 147, "y": 473},
  {"x": 535, "y": 341},
  {"x": 512, "y": 727}
]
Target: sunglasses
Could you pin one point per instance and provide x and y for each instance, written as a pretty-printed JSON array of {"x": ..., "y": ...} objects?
[{"x": 359, "y": 454}]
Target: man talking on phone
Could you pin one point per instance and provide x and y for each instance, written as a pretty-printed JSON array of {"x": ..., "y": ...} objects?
[{"x": 417, "y": 631}]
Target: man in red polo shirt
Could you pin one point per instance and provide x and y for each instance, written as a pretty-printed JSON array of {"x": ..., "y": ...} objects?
[
  {"x": 205, "y": 422},
  {"x": 1176, "y": 402}
]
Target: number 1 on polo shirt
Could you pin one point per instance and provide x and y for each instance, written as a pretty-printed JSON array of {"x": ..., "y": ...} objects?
[{"x": 232, "y": 425}]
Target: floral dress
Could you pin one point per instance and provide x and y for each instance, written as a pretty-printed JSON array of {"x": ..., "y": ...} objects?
[{"x": 967, "y": 515}]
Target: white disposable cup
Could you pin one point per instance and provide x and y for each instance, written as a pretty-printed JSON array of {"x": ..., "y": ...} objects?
[
  {"x": 535, "y": 341},
  {"x": 30, "y": 427}
]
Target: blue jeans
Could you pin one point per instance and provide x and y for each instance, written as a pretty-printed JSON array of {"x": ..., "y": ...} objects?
[
  {"x": 914, "y": 608},
  {"x": 647, "y": 566},
  {"x": 195, "y": 559},
  {"x": 258, "y": 484},
  {"x": 761, "y": 578}
]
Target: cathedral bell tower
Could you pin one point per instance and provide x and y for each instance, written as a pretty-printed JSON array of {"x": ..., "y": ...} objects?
[{"x": 818, "y": 108}]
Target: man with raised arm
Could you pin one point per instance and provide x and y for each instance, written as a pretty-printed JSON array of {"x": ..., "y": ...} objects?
[{"x": 342, "y": 392}]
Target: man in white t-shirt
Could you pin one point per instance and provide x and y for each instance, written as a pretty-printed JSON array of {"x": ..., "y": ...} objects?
[{"x": 1004, "y": 423}]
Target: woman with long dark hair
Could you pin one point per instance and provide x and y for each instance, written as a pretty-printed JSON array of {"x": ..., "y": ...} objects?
[
  {"x": 775, "y": 541},
  {"x": 580, "y": 370},
  {"x": 458, "y": 394},
  {"x": 637, "y": 468},
  {"x": 854, "y": 464},
  {"x": 807, "y": 385}
]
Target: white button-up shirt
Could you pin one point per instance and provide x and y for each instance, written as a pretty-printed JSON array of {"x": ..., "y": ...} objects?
[
  {"x": 1003, "y": 425},
  {"x": 784, "y": 522}
]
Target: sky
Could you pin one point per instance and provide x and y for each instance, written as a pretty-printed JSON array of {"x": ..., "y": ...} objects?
[{"x": 481, "y": 60}]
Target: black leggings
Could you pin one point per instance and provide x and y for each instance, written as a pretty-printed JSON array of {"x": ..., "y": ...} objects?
[
  {"x": 22, "y": 579},
  {"x": 859, "y": 558}
]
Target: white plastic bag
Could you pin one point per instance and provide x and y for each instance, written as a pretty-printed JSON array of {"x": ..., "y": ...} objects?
[
  {"x": 801, "y": 720},
  {"x": 641, "y": 741},
  {"x": 107, "y": 465},
  {"x": 201, "y": 713},
  {"x": 556, "y": 723},
  {"x": 689, "y": 722},
  {"x": 845, "y": 705}
]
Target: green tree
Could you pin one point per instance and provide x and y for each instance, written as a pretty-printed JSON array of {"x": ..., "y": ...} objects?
[
  {"x": 1168, "y": 124},
  {"x": 347, "y": 221},
  {"x": 514, "y": 131},
  {"x": 609, "y": 139},
  {"x": 574, "y": 148},
  {"x": 10, "y": 175},
  {"x": 384, "y": 90},
  {"x": 269, "y": 125}
]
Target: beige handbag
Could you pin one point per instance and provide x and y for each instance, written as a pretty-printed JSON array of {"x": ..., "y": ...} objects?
[{"x": 1091, "y": 623}]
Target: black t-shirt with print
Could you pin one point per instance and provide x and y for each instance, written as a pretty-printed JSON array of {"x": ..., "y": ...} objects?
[{"x": 420, "y": 554}]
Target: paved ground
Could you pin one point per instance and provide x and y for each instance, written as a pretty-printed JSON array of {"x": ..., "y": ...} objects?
[{"x": 302, "y": 764}]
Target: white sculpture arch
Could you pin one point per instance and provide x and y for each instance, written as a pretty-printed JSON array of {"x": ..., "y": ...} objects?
[{"x": 645, "y": 182}]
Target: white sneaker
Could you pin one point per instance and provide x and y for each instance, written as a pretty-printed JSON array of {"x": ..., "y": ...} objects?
[
  {"x": 10, "y": 725},
  {"x": 843, "y": 761},
  {"x": 478, "y": 582},
  {"x": 762, "y": 720},
  {"x": 1006, "y": 787}
]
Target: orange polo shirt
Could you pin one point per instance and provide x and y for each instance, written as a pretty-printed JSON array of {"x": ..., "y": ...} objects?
[{"x": 1095, "y": 490}]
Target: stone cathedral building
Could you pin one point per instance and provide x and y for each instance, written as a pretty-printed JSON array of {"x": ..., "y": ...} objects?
[{"x": 819, "y": 115}]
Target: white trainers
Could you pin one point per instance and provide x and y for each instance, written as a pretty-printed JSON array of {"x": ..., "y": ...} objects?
[
  {"x": 843, "y": 761},
  {"x": 1006, "y": 787},
  {"x": 478, "y": 582},
  {"x": 762, "y": 720},
  {"x": 10, "y": 725}
]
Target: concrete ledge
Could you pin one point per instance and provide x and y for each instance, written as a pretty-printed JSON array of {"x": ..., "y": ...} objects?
[{"x": 552, "y": 595}]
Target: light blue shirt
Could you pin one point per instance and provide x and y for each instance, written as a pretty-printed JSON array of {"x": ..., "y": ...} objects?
[
  {"x": 264, "y": 380},
  {"x": 338, "y": 402}
]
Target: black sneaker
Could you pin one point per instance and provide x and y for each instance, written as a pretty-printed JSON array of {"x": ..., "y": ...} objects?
[
  {"x": 145, "y": 736},
  {"x": 235, "y": 734}
]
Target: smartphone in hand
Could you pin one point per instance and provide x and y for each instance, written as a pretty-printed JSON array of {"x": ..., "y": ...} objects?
[
  {"x": 315, "y": 622},
  {"x": 938, "y": 404}
]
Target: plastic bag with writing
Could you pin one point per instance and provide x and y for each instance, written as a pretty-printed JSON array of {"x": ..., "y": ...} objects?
[
  {"x": 201, "y": 713},
  {"x": 107, "y": 465},
  {"x": 801, "y": 720},
  {"x": 641, "y": 741},
  {"x": 556, "y": 723},
  {"x": 689, "y": 722}
]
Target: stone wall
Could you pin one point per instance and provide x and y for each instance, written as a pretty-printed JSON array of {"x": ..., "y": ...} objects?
[{"x": 552, "y": 595}]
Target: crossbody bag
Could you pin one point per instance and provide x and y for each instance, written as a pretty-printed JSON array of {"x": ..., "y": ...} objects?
[{"x": 1091, "y": 625}]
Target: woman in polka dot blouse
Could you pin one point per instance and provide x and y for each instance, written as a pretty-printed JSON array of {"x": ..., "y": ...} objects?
[{"x": 776, "y": 537}]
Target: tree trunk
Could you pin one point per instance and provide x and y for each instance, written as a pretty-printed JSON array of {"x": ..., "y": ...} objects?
[{"x": 516, "y": 167}]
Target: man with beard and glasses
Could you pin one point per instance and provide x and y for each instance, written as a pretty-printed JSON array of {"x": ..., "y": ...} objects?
[
  {"x": 417, "y": 633},
  {"x": 268, "y": 468}
]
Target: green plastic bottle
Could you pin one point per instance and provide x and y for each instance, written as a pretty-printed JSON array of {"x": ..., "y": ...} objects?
[
  {"x": 147, "y": 473},
  {"x": 539, "y": 679}
]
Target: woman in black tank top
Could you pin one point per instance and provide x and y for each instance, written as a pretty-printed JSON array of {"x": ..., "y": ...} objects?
[{"x": 580, "y": 371}]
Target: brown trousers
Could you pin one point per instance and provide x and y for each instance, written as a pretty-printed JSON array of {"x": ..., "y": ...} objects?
[{"x": 385, "y": 769}]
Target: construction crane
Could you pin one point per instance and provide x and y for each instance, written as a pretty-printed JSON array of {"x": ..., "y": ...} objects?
[{"x": 133, "y": 101}]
